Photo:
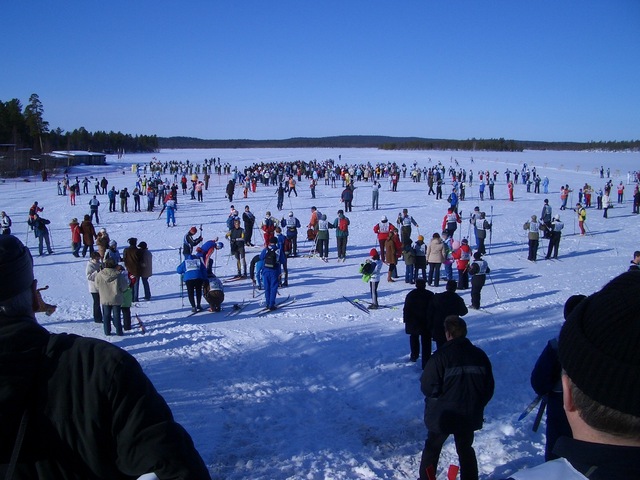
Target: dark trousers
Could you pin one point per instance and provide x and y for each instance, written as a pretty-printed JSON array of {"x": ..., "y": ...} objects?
[
  {"x": 322, "y": 246},
  {"x": 147, "y": 290},
  {"x": 477, "y": 282},
  {"x": 342, "y": 246},
  {"x": 111, "y": 313},
  {"x": 194, "y": 292},
  {"x": 97, "y": 309},
  {"x": 95, "y": 213},
  {"x": 434, "y": 274},
  {"x": 554, "y": 243},
  {"x": 416, "y": 341},
  {"x": 533, "y": 250},
  {"x": 85, "y": 248},
  {"x": 464, "y": 447},
  {"x": 463, "y": 279}
]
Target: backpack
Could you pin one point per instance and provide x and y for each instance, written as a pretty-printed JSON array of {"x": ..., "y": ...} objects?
[
  {"x": 287, "y": 246},
  {"x": 367, "y": 268},
  {"x": 271, "y": 258},
  {"x": 343, "y": 224}
]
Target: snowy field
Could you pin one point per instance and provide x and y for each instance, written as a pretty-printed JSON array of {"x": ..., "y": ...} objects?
[{"x": 320, "y": 389}]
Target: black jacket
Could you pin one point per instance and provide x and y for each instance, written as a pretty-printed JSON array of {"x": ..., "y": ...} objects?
[
  {"x": 414, "y": 313},
  {"x": 93, "y": 413},
  {"x": 443, "y": 305},
  {"x": 457, "y": 383}
]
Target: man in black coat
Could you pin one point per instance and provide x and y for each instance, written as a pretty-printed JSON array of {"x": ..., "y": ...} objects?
[
  {"x": 444, "y": 304},
  {"x": 457, "y": 384},
  {"x": 416, "y": 325},
  {"x": 77, "y": 407}
]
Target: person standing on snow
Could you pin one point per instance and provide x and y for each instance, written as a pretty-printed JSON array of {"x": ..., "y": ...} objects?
[
  {"x": 546, "y": 216},
  {"x": 416, "y": 324},
  {"x": 478, "y": 270},
  {"x": 41, "y": 232},
  {"x": 442, "y": 305},
  {"x": 375, "y": 195},
  {"x": 435, "y": 258},
  {"x": 292, "y": 224},
  {"x": 533, "y": 233},
  {"x": 271, "y": 272},
  {"x": 450, "y": 221},
  {"x": 194, "y": 274},
  {"x": 582, "y": 217},
  {"x": 190, "y": 241},
  {"x": 454, "y": 403},
  {"x": 382, "y": 229},
  {"x": 268, "y": 228},
  {"x": 341, "y": 224},
  {"x": 556, "y": 233},
  {"x": 404, "y": 222},
  {"x": 249, "y": 221},
  {"x": 5, "y": 223},
  {"x": 374, "y": 277},
  {"x": 236, "y": 240}
]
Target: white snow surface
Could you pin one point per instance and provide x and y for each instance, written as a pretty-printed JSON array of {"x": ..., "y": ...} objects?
[{"x": 320, "y": 389}]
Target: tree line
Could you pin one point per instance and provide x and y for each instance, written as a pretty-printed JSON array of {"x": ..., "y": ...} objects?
[{"x": 26, "y": 128}]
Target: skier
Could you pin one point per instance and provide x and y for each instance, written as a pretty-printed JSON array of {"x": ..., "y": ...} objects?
[
  {"x": 450, "y": 221},
  {"x": 404, "y": 222},
  {"x": 236, "y": 239},
  {"x": 382, "y": 229},
  {"x": 482, "y": 226},
  {"x": 582, "y": 217},
  {"x": 206, "y": 251},
  {"x": 271, "y": 272},
  {"x": 292, "y": 224},
  {"x": 214, "y": 293},
  {"x": 341, "y": 224},
  {"x": 374, "y": 278},
  {"x": 347, "y": 197},
  {"x": 420, "y": 250},
  {"x": 76, "y": 237},
  {"x": 249, "y": 221},
  {"x": 322, "y": 237},
  {"x": 416, "y": 325},
  {"x": 41, "y": 232},
  {"x": 554, "y": 240},
  {"x": 171, "y": 206},
  {"x": 268, "y": 227},
  {"x": 545, "y": 216},
  {"x": 478, "y": 270},
  {"x": 194, "y": 274},
  {"x": 533, "y": 233},
  {"x": 94, "y": 203},
  {"x": 280, "y": 192},
  {"x": 190, "y": 241}
]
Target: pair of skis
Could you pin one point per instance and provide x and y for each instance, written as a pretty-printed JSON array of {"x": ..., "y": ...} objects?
[{"x": 279, "y": 305}]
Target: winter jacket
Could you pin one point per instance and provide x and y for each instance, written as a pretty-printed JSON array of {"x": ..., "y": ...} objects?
[
  {"x": 457, "y": 383},
  {"x": 375, "y": 276},
  {"x": 132, "y": 258},
  {"x": 435, "y": 251},
  {"x": 414, "y": 313},
  {"x": 443, "y": 305},
  {"x": 111, "y": 283},
  {"x": 91, "y": 271},
  {"x": 95, "y": 414},
  {"x": 102, "y": 241},
  {"x": 146, "y": 263},
  {"x": 192, "y": 269},
  {"x": 88, "y": 232},
  {"x": 75, "y": 232},
  {"x": 462, "y": 256},
  {"x": 382, "y": 229},
  {"x": 533, "y": 229},
  {"x": 336, "y": 225},
  {"x": 482, "y": 225},
  {"x": 392, "y": 249}
]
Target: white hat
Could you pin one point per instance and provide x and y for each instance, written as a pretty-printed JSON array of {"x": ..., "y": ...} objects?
[
  {"x": 291, "y": 214},
  {"x": 384, "y": 218}
]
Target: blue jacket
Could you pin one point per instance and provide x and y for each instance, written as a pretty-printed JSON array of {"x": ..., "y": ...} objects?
[{"x": 192, "y": 269}]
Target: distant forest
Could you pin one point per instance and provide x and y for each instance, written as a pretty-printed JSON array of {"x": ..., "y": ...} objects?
[
  {"x": 25, "y": 129},
  {"x": 398, "y": 143}
]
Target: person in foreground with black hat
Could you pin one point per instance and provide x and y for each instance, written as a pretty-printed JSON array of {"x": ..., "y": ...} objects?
[
  {"x": 598, "y": 350},
  {"x": 74, "y": 407},
  {"x": 478, "y": 270}
]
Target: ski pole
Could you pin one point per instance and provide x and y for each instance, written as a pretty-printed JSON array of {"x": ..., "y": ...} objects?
[
  {"x": 491, "y": 230},
  {"x": 494, "y": 286}
]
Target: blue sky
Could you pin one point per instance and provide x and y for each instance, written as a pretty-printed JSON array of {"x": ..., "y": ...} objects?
[{"x": 543, "y": 70}]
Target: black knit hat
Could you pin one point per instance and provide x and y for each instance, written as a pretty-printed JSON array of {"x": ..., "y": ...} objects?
[
  {"x": 16, "y": 264},
  {"x": 599, "y": 342}
]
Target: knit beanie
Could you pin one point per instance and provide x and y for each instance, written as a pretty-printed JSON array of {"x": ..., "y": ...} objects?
[
  {"x": 15, "y": 264},
  {"x": 373, "y": 252},
  {"x": 598, "y": 345}
]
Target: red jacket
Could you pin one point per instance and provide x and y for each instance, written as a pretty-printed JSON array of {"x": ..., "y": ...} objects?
[
  {"x": 383, "y": 233},
  {"x": 462, "y": 256}
]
